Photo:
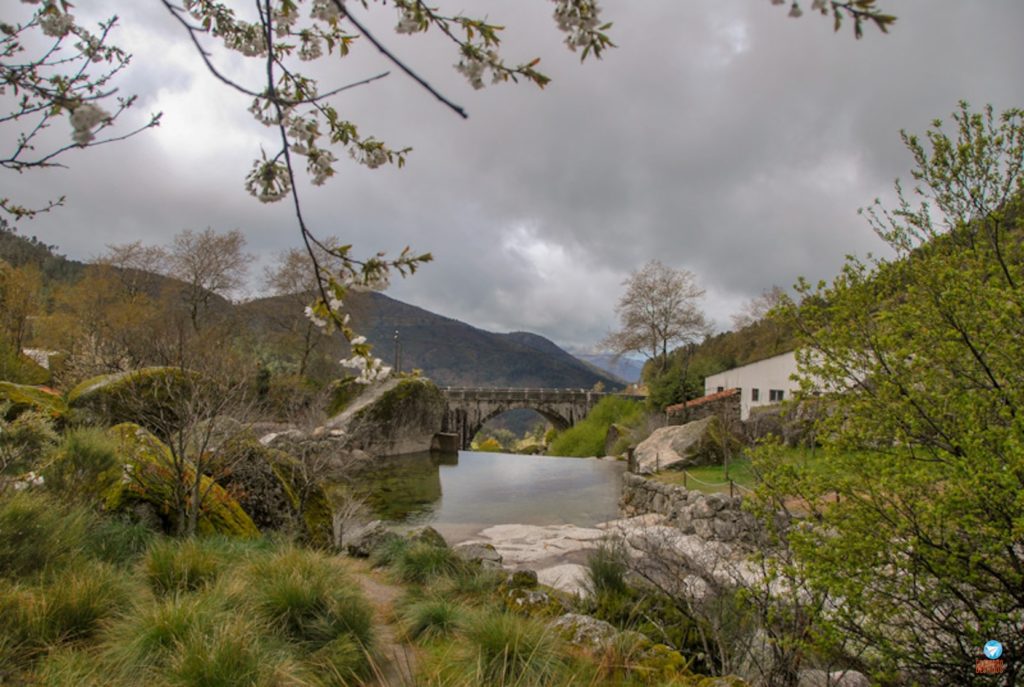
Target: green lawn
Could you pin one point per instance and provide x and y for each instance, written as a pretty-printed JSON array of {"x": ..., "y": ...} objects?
[{"x": 741, "y": 472}]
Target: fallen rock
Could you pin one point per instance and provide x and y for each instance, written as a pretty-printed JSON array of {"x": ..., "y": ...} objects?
[{"x": 566, "y": 577}]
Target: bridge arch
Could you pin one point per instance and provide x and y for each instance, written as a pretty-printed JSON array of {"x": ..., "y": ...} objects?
[
  {"x": 467, "y": 410},
  {"x": 557, "y": 421}
]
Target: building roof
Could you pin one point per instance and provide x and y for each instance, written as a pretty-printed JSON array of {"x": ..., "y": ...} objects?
[{"x": 718, "y": 395}]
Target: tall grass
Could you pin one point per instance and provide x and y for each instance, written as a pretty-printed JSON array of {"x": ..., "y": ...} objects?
[
  {"x": 512, "y": 650},
  {"x": 174, "y": 567},
  {"x": 39, "y": 534},
  {"x": 304, "y": 597},
  {"x": 421, "y": 562},
  {"x": 432, "y": 618}
]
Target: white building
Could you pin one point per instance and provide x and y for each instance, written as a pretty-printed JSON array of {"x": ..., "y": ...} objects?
[{"x": 760, "y": 384}]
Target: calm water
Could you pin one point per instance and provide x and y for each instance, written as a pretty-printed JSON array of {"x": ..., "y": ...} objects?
[{"x": 464, "y": 493}]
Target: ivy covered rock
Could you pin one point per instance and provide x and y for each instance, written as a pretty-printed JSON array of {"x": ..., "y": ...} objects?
[
  {"x": 399, "y": 416},
  {"x": 149, "y": 396},
  {"x": 150, "y": 478},
  {"x": 22, "y": 397}
]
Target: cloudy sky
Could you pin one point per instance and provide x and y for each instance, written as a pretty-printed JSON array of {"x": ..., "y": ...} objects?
[{"x": 720, "y": 136}]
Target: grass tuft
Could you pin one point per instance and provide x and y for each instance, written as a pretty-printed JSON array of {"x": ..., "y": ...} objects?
[
  {"x": 421, "y": 562},
  {"x": 431, "y": 619},
  {"x": 174, "y": 567},
  {"x": 511, "y": 650}
]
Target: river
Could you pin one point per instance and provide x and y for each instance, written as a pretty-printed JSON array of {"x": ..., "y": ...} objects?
[{"x": 461, "y": 494}]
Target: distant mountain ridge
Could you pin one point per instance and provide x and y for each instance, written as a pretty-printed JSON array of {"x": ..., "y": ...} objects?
[{"x": 454, "y": 353}]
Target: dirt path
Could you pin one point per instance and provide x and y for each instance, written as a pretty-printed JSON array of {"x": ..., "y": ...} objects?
[{"x": 396, "y": 660}]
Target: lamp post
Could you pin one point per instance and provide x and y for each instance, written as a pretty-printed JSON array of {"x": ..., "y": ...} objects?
[{"x": 398, "y": 354}]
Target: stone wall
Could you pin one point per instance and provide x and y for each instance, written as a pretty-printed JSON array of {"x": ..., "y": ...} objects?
[{"x": 714, "y": 517}]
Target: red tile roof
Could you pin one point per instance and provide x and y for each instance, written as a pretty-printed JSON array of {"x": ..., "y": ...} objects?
[{"x": 680, "y": 407}]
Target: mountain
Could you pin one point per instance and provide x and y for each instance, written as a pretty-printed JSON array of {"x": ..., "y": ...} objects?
[
  {"x": 624, "y": 368},
  {"x": 450, "y": 352}
]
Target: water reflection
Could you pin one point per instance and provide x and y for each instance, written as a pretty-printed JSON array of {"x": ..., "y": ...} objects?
[{"x": 464, "y": 492}]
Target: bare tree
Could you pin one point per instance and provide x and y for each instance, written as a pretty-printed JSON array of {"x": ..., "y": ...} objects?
[
  {"x": 294, "y": 276},
  {"x": 757, "y": 308},
  {"x": 134, "y": 264},
  {"x": 659, "y": 309},
  {"x": 210, "y": 264}
]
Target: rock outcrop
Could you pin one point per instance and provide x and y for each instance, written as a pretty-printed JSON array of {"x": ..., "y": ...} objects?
[
  {"x": 695, "y": 443},
  {"x": 399, "y": 416}
]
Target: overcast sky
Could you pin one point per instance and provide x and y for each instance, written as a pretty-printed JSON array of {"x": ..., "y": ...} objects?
[{"x": 720, "y": 136}]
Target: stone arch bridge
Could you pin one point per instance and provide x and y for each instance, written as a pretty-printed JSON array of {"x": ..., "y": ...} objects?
[{"x": 467, "y": 410}]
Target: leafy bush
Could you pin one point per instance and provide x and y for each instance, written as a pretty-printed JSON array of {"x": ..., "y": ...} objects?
[{"x": 587, "y": 437}]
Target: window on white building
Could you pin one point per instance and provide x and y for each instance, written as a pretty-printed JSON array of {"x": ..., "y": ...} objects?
[
  {"x": 776, "y": 395},
  {"x": 755, "y": 394}
]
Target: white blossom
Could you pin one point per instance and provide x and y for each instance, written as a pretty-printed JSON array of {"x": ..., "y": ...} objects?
[
  {"x": 409, "y": 22},
  {"x": 83, "y": 119},
  {"x": 325, "y": 10},
  {"x": 358, "y": 340},
  {"x": 311, "y": 49},
  {"x": 283, "y": 21},
  {"x": 314, "y": 318},
  {"x": 579, "y": 19},
  {"x": 320, "y": 165},
  {"x": 56, "y": 24},
  {"x": 268, "y": 181},
  {"x": 335, "y": 304}
]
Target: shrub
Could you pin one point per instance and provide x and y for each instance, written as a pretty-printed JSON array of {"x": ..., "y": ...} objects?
[
  {"x": 152, "y": 630},
  {"x": 606, "y": 570},
  {"x": 234, "y": 653}
]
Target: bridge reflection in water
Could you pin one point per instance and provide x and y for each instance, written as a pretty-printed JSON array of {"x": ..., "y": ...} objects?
[{"x": 467, "y": 410}]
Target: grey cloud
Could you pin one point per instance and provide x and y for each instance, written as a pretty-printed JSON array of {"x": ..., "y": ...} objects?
[{"x": 720, "y": 137}]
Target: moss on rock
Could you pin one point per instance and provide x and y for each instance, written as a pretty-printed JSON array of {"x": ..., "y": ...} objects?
[
  {"x": 141, "y": 396},
  {"x": 403, "y": 419},
  {"x": 24, "y": 397},
  {"x": 150, "y": 478}
]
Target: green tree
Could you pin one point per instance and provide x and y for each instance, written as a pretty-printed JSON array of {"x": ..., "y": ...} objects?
[{"x": 917, "y": 539}]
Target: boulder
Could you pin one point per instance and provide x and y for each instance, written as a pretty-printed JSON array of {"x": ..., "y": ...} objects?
[
  {"x": 149, "y": 396},
  {"x": 150, "y": 476},
  {"x": 364, "y": 540},
  {"x": 533, "y": 602},
  {"x": 258, "y": 477},
  {"x": 477, "y": 553},
  {"x": 426, "y": 535},
  {"x": 695, "y": 443},
  {"x": 584, "y": 630},
  {"x": 521, "y": 579},
  {"x": 399, "y": 416}
]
